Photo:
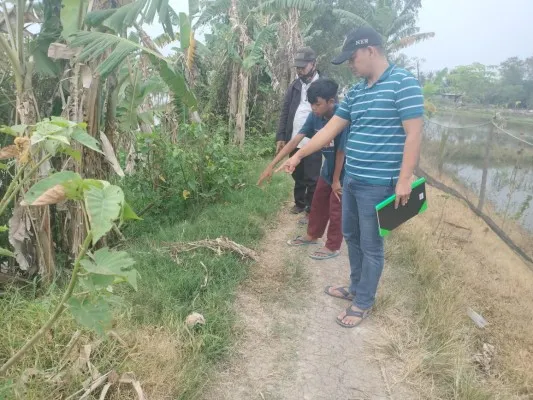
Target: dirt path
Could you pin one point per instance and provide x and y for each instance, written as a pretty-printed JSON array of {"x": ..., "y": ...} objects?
[{"x": 290, "y": 346}]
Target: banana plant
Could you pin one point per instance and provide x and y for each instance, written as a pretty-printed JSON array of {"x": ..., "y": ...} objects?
[
  {"x": 134, "y": 94},
  {"x": 395, "y": 20},
  {"x": 24, "y": 60},
  {"x": 245, "y": 42},
  {"x": 27, "y": 56},
  {"x": 98, "y": 47},
  {"x": 94, "y": 272},
  {"x": 184, "y": 60},
  {"x": 34, "y": 145},
  {"x": 109, "y": 40}
]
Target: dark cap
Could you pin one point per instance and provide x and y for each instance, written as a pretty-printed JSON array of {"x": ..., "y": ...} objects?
[
  {"x": 304, "y": 56},
  {"x": 357, "y": 39}
]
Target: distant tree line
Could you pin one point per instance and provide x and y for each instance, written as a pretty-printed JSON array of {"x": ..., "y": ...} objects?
[{"x": 508, "y": 85}]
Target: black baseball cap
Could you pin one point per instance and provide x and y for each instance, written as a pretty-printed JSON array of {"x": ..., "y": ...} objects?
[
  {"x": 304, "y": 56},
  {"x": 357, "y": 39}
]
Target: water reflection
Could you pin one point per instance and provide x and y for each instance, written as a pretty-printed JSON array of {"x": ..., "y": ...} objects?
[
  {"x": 510, "y": 191},
  {"x": 509, "y": 183}
]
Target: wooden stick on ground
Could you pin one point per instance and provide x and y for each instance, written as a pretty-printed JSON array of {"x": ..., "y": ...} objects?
[
  {"x": 128, "y": 377},
  {"x": 104, "y": 391},
  {"x": 216, "y": 245},
  {"x": 93, "y": 386}
]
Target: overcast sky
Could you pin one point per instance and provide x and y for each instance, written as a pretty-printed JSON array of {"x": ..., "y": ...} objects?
[{"x": 466, "y": 31}]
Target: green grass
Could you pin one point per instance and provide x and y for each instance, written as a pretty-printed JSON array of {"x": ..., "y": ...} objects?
[{"x": 169, "y": 289}]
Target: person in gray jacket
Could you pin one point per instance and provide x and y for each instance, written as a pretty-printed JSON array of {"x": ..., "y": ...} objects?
[{"x": 295, "y": 110}]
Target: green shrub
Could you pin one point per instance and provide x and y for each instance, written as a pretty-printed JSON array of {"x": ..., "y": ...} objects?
[{"x": 197, "y": 167}]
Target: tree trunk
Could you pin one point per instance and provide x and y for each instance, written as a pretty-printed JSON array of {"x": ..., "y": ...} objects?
[
  {"x": 73, "y": 221},
  {"x": 83, "y": 105},
  {"x": 148, "y": 104},
  {"x": 94, "y": 164},
  {"x": 280, "y": 58},
  {"x": 29, "y": 228},
  {"x": 243, "y": 78},
  {"x": 233, "y": 96},
  {"x": 111, "y": 110},
  {"x": 295, "y": 41},
  {"x": 240, "y": 126},
  {"x": 285, "y": 81},
  {"x": 42, "y": 227},
  {"x": 26, "y": 108}
]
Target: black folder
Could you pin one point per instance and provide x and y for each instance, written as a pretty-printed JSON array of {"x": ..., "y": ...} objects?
[{"x": 390, "y": 218}]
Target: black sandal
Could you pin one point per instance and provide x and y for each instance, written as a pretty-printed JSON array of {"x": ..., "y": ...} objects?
[
  {"x": 346, "y": 295},
  {"x": 353, "y": 313}
]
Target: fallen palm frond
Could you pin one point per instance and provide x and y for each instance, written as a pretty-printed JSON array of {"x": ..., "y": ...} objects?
[{"x": 217, "y": 245}]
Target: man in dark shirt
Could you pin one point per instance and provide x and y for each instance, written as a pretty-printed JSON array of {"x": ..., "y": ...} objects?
[
  {"x": 326, "y": 205},
  {"x": 295, "y": 110}
]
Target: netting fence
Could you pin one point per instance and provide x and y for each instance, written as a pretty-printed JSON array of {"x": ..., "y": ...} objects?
[{"x": 487, "y": 161}]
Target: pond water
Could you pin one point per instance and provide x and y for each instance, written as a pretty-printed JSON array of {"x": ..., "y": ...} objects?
[
  {"x": 465, "y": 130},
  {"x": 509, "y": 189}
]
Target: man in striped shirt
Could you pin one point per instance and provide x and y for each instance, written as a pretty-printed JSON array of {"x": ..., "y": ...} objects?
[{"x": 384, "y": 113}]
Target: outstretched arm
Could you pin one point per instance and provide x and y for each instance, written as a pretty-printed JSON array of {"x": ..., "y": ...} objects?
[
  {"x": 321, "y": 139},
  {"x": 285, "y": 151}
]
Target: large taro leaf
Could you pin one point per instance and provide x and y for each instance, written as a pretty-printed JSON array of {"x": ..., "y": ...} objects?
[
  {"x": 103, "y": 207},
  {"x": 112, "y": 263},
  {"x": 92, "y": 313}
]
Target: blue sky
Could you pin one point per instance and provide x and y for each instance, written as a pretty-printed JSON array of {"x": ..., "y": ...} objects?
[{"x": 466, "y": 31}]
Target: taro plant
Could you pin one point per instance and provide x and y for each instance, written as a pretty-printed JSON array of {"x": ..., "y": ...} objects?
[{"x": 95, "y": 271}]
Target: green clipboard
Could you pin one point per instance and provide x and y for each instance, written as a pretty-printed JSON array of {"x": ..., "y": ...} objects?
[{"x": 390, "y": 218}]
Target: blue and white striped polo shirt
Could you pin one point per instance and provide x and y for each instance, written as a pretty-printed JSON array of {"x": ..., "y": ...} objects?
[{"x": 374, "y": 148}]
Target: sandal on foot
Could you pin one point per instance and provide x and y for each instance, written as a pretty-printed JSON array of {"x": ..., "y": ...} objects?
[
  {"x": 303, "y": 221},
  {"x": 297, "y": 210},
  {"x": 345, "y": 294},
  {"x": 353, "y": 313},
  {"x": 301, "y": 241},
  {"x": 324, "y": 255}
]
